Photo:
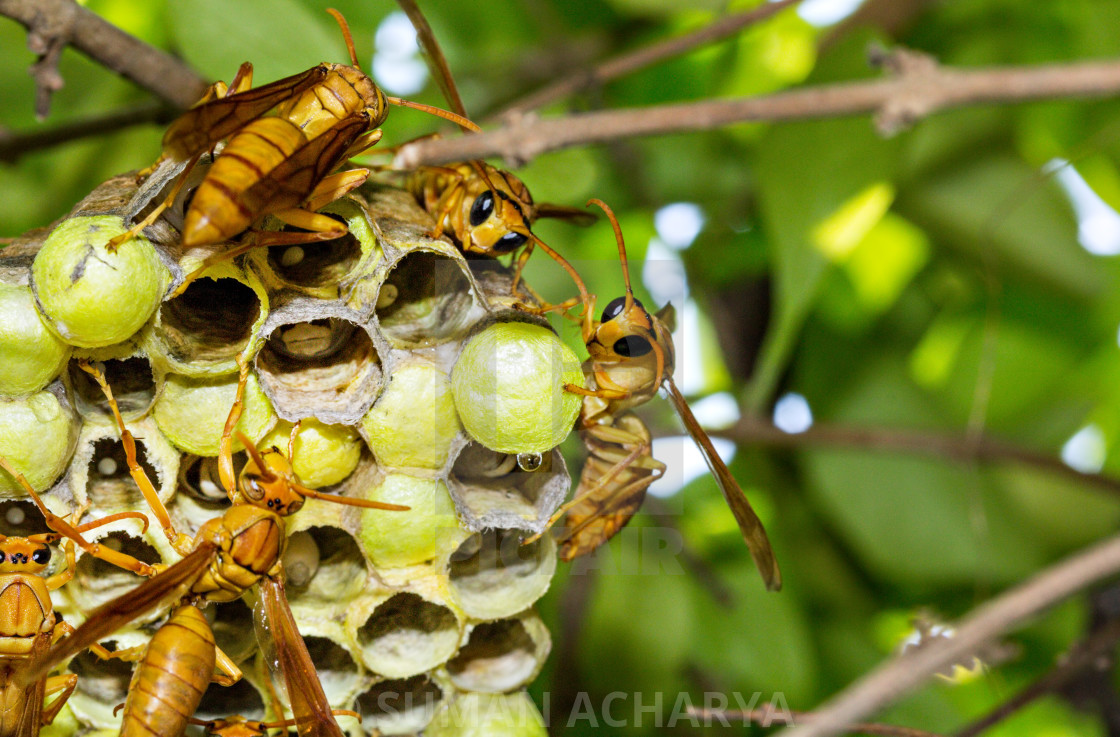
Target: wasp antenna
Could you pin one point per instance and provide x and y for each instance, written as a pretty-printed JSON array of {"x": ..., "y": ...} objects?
[
  {"x": 621, "y": 247},
  {"x": 459, "y": 120},
  {"x": 584, "y": 296},
  {"x": 346, "y": 34},
  {"x": 349, "y": 500},
  {"x": 251, "y": 449}
]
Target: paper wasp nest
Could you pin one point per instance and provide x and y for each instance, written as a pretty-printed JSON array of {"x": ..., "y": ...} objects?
[{"x": 408, "y": 616}]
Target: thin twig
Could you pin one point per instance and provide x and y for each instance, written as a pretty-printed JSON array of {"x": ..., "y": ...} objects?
[
  {"x": 646, "y": 56},
  {"x": 768, "y": 715},
  {"x": 1081, "y": 657},
  {"x": 749, "y": 431},
  {"x": 900, "y": 675},
  {"x": 13, "y": 145},
  {"x": 919, "y": 89},
  {"x": 53, "y": 23}
]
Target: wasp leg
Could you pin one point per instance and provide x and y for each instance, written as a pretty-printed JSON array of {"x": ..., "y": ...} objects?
[
  {"x": 115, "y": 242},
  {"x": 334, "y": 188},
  {"x": 619, "y": 437},
  {"x": 448, "y": 201},
  {"x": 522, "y": 259},
  {"x": 227, "y": 671},
  {"x": 183, "y": 544},
  {"x": 63, "y": 685},
  {"x": 363, "y": 142},
  {"x": 225, "y": 445}
]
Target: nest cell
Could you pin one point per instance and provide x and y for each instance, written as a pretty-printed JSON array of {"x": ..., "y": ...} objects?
[
  {"x": 101, "y": 685},
  {"x": 20, "y": 519},
  {"x": 232, "y": 625},
  {"x": 219, "y": 702},
  {"x": 339, "y": 672},
  {"x": 426, "y": 299},
  {"x": 501, "y": 656},
  {"x": 109, "y": 486},
  {"x": 324, "y": 563},
  {"x": 493, "y": 575},
  {"x": 507, "y": 491},
  {"x": 320, "y": 366},
  {"x": 400, "y": 705},
  {"x": 201, "y": 331},
  {"x": 96, "y": 582},
  {"x": 406, "y": 635},
  {"x": 131, "y": 379},
  {"x": 322, "y": 264}
]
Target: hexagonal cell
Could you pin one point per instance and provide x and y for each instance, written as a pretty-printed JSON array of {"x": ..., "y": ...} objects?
[
  {"x": 232, "y": 625},
  {"x": 96, "y": 582},
  {"x": 219, "y": 702},
  {"x": 324, "y": 563},
  {"x": 400, "y": 705},
  {"x": 104, "y": 682},
  {"x": 493, "y": 575},
  {"x": 99, "y": 473},
  {"x": 407, "y": 634},
  {"x": 320, "y": 365},
  {"x": 131, "y": 379},
  {"x": 497, "y": 490},
  {"x": 109, "y": 484},
  {"x": 322, "y": 264},
  {"x": 501, "y": 656},
  {"x": 426, "y": 299},
  {"x": 338, "y": 671},
  {"x": 20, "y": 519},
  {"x": 202, "y": 331}
]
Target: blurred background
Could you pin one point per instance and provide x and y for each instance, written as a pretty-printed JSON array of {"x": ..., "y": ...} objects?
[{"x": 839, "y": 294}]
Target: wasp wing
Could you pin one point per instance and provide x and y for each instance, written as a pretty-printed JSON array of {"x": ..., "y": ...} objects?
[
  {"x": 749, "y": 523},
  {"x": 167, "y": 585},
  {"x": 294, "y": 179},
  {"x": 31, "y": 718},
  {"x": 312, "y": 711},
  {"x": 203, "y": 126},
  {"x": 433, "y": 54}
]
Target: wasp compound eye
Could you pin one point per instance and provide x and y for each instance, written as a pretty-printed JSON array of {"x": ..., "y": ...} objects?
[
  {"x": 613, "y": 309},
  {"x": 510, "y": 242},
  {"x": 632, "y": 346},
  {"x": 41, "y": 556},
  {"x": 482, "y": 208}
]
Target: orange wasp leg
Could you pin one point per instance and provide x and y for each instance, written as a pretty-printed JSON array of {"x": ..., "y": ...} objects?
[
  {"x": 615, "y": 436},
  {"x": 225, "y": 445},
  {"x": 333, "y": 187},
  {"x": 227, "y": 673},
  {"x": 64, "y": 628},
  {"x": 62, "y": 685},
  {"x": 183, "y": 544},
  {"x": 362, "y": 142}
]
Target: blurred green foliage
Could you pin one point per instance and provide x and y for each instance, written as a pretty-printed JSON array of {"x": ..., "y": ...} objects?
[{"x": 927, "y": 281}]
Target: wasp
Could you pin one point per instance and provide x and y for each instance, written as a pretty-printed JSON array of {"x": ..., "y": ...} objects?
[
  {"x": 283, "y": 141},
  {"x": 28, "y": 624},
  {"x": 483, "y": 209},
  {"x": 630, "y": 357},
  {"x": 225, "y": 557}
]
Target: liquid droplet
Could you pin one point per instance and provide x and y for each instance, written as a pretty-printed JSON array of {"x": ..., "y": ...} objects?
[{"x": 530, "y": 461}]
